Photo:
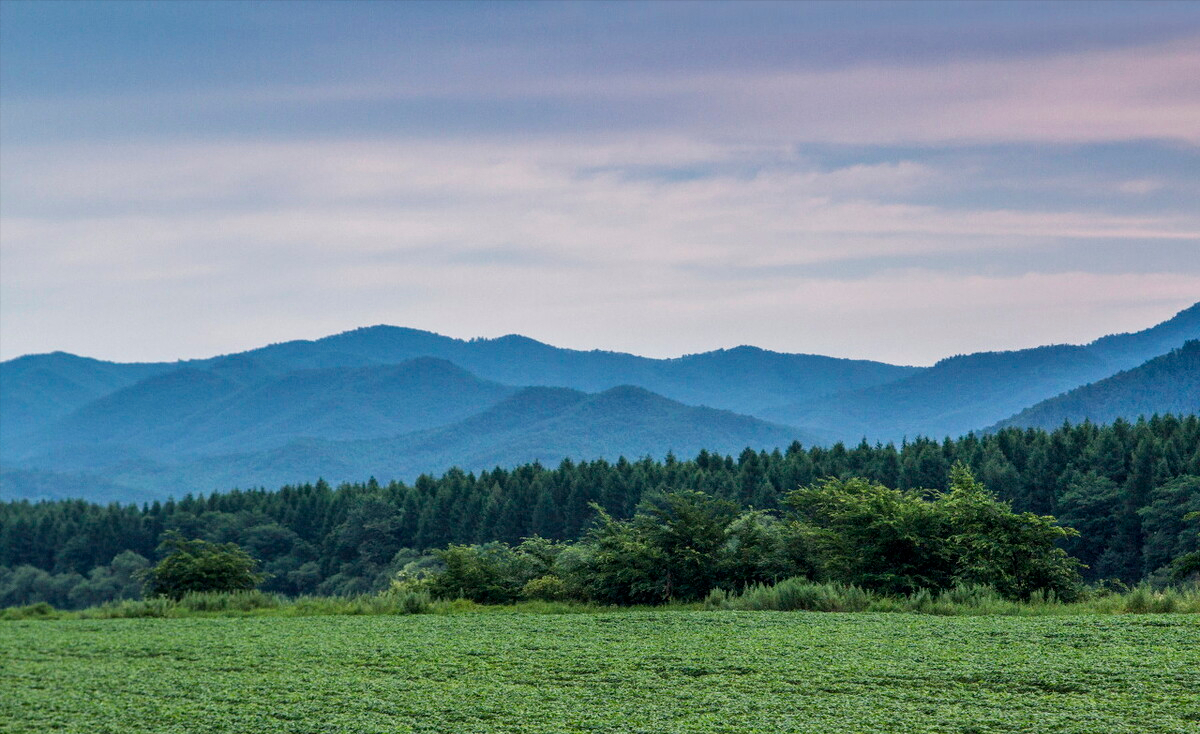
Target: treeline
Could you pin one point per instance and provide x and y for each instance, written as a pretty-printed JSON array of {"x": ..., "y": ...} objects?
[
  {"x": 685, "y": 545},
  {"x": 1126, "y": 487}
]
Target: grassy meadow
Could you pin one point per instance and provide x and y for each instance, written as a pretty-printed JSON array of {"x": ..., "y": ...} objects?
[{"x": 628, "y": 671}]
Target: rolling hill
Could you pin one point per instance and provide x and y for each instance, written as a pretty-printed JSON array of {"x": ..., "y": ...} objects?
[
  {"x": 538, "y": 423},
  {"x": 40, "y": 389},
  {"x": 1166, "y": 384},
  {"x": 236, "y": 404},
  {"x": 394, "y": 402},
  {"x": 970, "y": 392}
]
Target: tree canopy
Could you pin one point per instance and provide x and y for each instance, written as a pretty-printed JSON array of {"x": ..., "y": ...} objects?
[
  {"x": 1128, "y": 488},
  {"x": 191, "y": 566}
]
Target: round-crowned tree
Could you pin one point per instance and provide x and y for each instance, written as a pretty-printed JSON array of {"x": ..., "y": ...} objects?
[{"x": 199, "y": 566}]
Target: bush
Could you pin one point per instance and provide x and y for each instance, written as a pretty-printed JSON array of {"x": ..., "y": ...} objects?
[
  {"x": 197, "y": 566},
  {"x": 899, "y": 542},
  {"x": 493, "y": 573},
  {"x": 238, "y": 601},
  {"x": 545, "y": 588},
  {"x": 40, "y": 610},
  {"x": 671, "y": 550},
  {"x": 408, "y": 600}
]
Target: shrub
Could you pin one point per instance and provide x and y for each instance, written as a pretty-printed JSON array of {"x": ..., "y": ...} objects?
[
  {"x": 197, "y": 566},
  {"x": 238, "y": 601},
  {"x": 898, "y": 542},
  {"x": 798, "y": 594},
  {"x": 40, "y": 610},
  {"x": 669, "y": 551},
  {"x": 545, "y": 588},
  {"x": 493, "y": 573}
]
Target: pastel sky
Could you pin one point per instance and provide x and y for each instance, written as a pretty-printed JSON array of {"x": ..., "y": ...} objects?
[{"x": 895, "y": 181}]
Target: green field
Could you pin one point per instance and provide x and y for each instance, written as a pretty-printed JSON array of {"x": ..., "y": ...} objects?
[{"x": 649, "y": 672}]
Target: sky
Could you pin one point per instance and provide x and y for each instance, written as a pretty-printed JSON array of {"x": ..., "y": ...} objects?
[{"x": 893, "y": 181}]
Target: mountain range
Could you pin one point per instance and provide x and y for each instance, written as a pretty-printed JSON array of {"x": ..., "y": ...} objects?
[
  {"x": 1170, "y": 384},
  {"x": 393, "y": 402}
]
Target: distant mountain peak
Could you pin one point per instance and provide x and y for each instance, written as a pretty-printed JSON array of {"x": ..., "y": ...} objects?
[
  {"x": 515, "y": 339},
  {"x": 635, "y": 390},
  {"x": 386, "y": 329}
]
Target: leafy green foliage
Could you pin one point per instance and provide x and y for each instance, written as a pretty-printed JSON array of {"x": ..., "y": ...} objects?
[
  {"x": 119, "y": 579},
  {"x": 495, "y": 573},
  {"x": 894, "y": 541},
  {"x": 1171, "y": 524},
  {"x": 990, "y": 545},
  {"x": 668, "y": 550},
  {"x": 545, "y": 588},
  {"x": 197, "y": 566},
  {"x": 679, "y": 546},
  {"x": 761, "y": 548},
  {"x": 863, "y": 533}
]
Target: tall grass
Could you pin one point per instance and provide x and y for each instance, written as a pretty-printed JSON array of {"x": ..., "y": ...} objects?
[
  {"x": 794, "y": 594},
  {"x": 797, "y": 594},
  {"x": 237, "y": 604}
]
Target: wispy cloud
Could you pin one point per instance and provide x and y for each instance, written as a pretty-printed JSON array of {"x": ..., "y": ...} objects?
[
  {"x": 1081, "y": 96},
  {"x": 424, "y": 232},
  {"x": 790, "y": 176}
]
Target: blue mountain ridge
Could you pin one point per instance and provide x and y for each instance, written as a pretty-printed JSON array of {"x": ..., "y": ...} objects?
[
  {"x": 391, "y": 401},
  {"x": 1166, "y": 384},
  {"x": 969, "y": 392},
  {"x": 543, "y": 424}
]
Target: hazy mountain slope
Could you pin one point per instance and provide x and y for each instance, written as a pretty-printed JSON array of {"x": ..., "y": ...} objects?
[
  {"x": 135, "y": 419},
  {"x": 624, "y": 420},
  {"x": 26, "y": 484},
  {"x": 744, "y": 379},
  {"x": 1166, "y": 384},
  {"x": 342, "y": 403},
  {"x": 968, "y": 392},
  {"x": 546, "y": 424},
  {"x": 753, "y": 380},
  {"x": 385, "y": 401},
  {"x": 1130, "y": 350},
  {"x": 238, "y": 405},
  {"x": 38, "y": 389}
]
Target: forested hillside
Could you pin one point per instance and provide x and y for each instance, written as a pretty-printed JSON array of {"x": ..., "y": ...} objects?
[
  {"x": 237, "y": 405},
  {"x": 1166, "y": 384},
  {"x": 533, "y": 424},
  {"x": 969, "y": 392},
  {"x": 1126, "y": 487},
  {"x": 744, "y": 379},
  {"x": 393, "y": 402},
  {"x": 38, "y": 390}
]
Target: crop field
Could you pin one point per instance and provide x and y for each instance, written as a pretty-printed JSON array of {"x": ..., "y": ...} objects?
[{"x": 648, "y": 672}]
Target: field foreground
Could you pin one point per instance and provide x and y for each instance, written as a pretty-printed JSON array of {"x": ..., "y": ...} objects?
[{"x": 615, "y": 672}]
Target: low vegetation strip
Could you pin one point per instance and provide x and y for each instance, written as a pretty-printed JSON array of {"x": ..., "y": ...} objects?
[
  {"x": 789, "y": 595},
  {"x": 629, "y": 671}
]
